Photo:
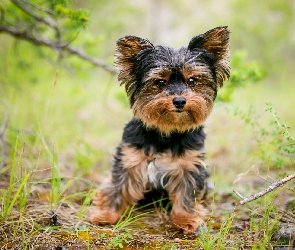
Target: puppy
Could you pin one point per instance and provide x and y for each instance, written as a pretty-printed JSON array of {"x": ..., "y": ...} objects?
[{"x": 171, "y": 92}]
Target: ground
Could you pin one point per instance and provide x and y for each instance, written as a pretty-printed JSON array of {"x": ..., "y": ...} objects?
[{"x": 229, "y": 225}]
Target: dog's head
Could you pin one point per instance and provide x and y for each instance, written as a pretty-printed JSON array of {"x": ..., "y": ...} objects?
[{"x": 174, "y": 90}]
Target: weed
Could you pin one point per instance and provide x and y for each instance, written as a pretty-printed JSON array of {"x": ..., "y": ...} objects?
[
  {"x": 55, "y": 195},
  {"x": 86, "y": 202},
  {"x": 275, "y": 143},
  {"x": 121, "y": 239},
  {"x": 10, "y": 197},
  {"x": 286, "y": 146},
  {"x": 86, "y": 196},
  {"x": 169, "y": 246},
  {"x": 83, "y": 233},
  {"x": 265, "y": 224},
  {"x": 218, "y": 241},
  {"x": 163, "y": 207},
  {"x": 129, "y": 218}
]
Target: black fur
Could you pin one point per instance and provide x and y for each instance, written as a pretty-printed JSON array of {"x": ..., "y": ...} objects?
[
  {"x": 161, "y": 56},
  {"x": 152, "y": 141}
]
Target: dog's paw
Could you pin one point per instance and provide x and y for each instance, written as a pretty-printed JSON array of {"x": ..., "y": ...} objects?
[
  {"x": 188, "y": 222},
  {"x": 104, "y": 211},
  {"x": 98, "y": 216}
]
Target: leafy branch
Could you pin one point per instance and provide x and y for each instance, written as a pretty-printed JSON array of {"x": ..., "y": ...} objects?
[{"x": 45, "y": 27}]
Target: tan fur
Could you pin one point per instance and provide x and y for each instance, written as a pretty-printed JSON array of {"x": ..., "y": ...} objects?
[
  {"x": 133, "y": 188},
  {"x": 156, "y": 110},
  {"x": 188, "y": 222},
  {"x": 177, "y": 168},
  {"x": 127, "y": 50},
  {"x": 103, "y": 211},
  {"x": 158, "y": 73},
  {"x": 217, "y": 42},
  {"x": 135, "y": 162},
  {"x": 200, "y": 72},
  {"x": 175, "y": 165}
]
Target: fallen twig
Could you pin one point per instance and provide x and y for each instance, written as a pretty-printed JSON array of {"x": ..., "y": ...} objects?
[{"x": 265, "y": 191}]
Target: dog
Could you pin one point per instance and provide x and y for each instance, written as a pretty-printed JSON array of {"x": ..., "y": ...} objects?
[{"x": 171, "y": 92}]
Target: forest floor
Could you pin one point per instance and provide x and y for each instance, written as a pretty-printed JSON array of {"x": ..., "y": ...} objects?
[{"x": 268, "y": 224}]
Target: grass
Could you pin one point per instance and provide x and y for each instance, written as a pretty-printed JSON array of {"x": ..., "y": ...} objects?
[
  {"x": 121, "y": 239},
  {"x": 262, "y": 227},
  {"x": 10, "y": 197}
]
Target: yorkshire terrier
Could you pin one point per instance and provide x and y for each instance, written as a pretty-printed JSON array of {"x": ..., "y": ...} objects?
[{"x": 171, "y": 92}]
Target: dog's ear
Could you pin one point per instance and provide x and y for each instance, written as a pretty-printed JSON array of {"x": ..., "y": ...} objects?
[
  {"x": 216, "y": 41},
  {"x": 128, "y": 49}
]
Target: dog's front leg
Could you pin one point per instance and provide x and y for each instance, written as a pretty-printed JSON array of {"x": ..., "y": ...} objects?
[
  {"x": 128, "y": 184},
  {"x": 185, "y": 192}
]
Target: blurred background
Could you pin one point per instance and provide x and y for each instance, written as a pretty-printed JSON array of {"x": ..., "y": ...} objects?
[{"x": 59, "y": 102}]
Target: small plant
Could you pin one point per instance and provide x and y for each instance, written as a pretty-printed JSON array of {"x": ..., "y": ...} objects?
[
  {"x": 86, "y": 203},
  {"x": 57, "y": 187},
  {"x": 55, "y": 195},
  {"x": 218, "y": 241},
  {"x": 128, "y": 217},
  {"x": 169, "y": 246},
  {"x": 121, "y": 239},
  {"x": 18, "y": 189},
  {"x": 264, "y": 225},
  {"x": 86, "y": 196},
  {"x": 286, "y": 141},
  {"x": 274, "y": 144},
  {"x": 49, "y": 229}
]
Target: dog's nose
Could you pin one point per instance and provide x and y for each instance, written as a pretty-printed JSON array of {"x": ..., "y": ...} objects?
[{"x": 179, "y": 102}]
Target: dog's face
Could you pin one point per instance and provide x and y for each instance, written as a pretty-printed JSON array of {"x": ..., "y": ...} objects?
[{"x": 174, "y": 90}]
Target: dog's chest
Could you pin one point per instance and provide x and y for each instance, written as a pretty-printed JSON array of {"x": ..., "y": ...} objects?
[
  {"x": 162, "y": 166},
  {"x": 157, "y": 171}
]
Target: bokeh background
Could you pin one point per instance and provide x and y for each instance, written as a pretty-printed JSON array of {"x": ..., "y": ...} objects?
[{"x": 78, "y": 111}]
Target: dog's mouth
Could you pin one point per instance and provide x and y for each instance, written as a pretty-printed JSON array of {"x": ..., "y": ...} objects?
[{"x": 178, "y": 111}]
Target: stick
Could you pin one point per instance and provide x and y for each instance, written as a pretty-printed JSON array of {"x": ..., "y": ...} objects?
[{"x": 265, "y": 191}]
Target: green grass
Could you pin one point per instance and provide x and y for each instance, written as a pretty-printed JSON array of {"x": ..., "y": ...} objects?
[
  {"x": 18, "y": 189},
  {"x": 218, "y": 241},
  {"x": 121, "y": 239}
]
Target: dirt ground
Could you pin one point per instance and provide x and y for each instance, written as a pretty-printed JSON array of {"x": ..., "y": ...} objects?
[{"x": 39, "y": 227}]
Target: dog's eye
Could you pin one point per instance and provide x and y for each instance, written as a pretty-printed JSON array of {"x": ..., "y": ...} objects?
[
  {"x": 160, "y": 82},
  {"x": 192, "y": 81}
]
